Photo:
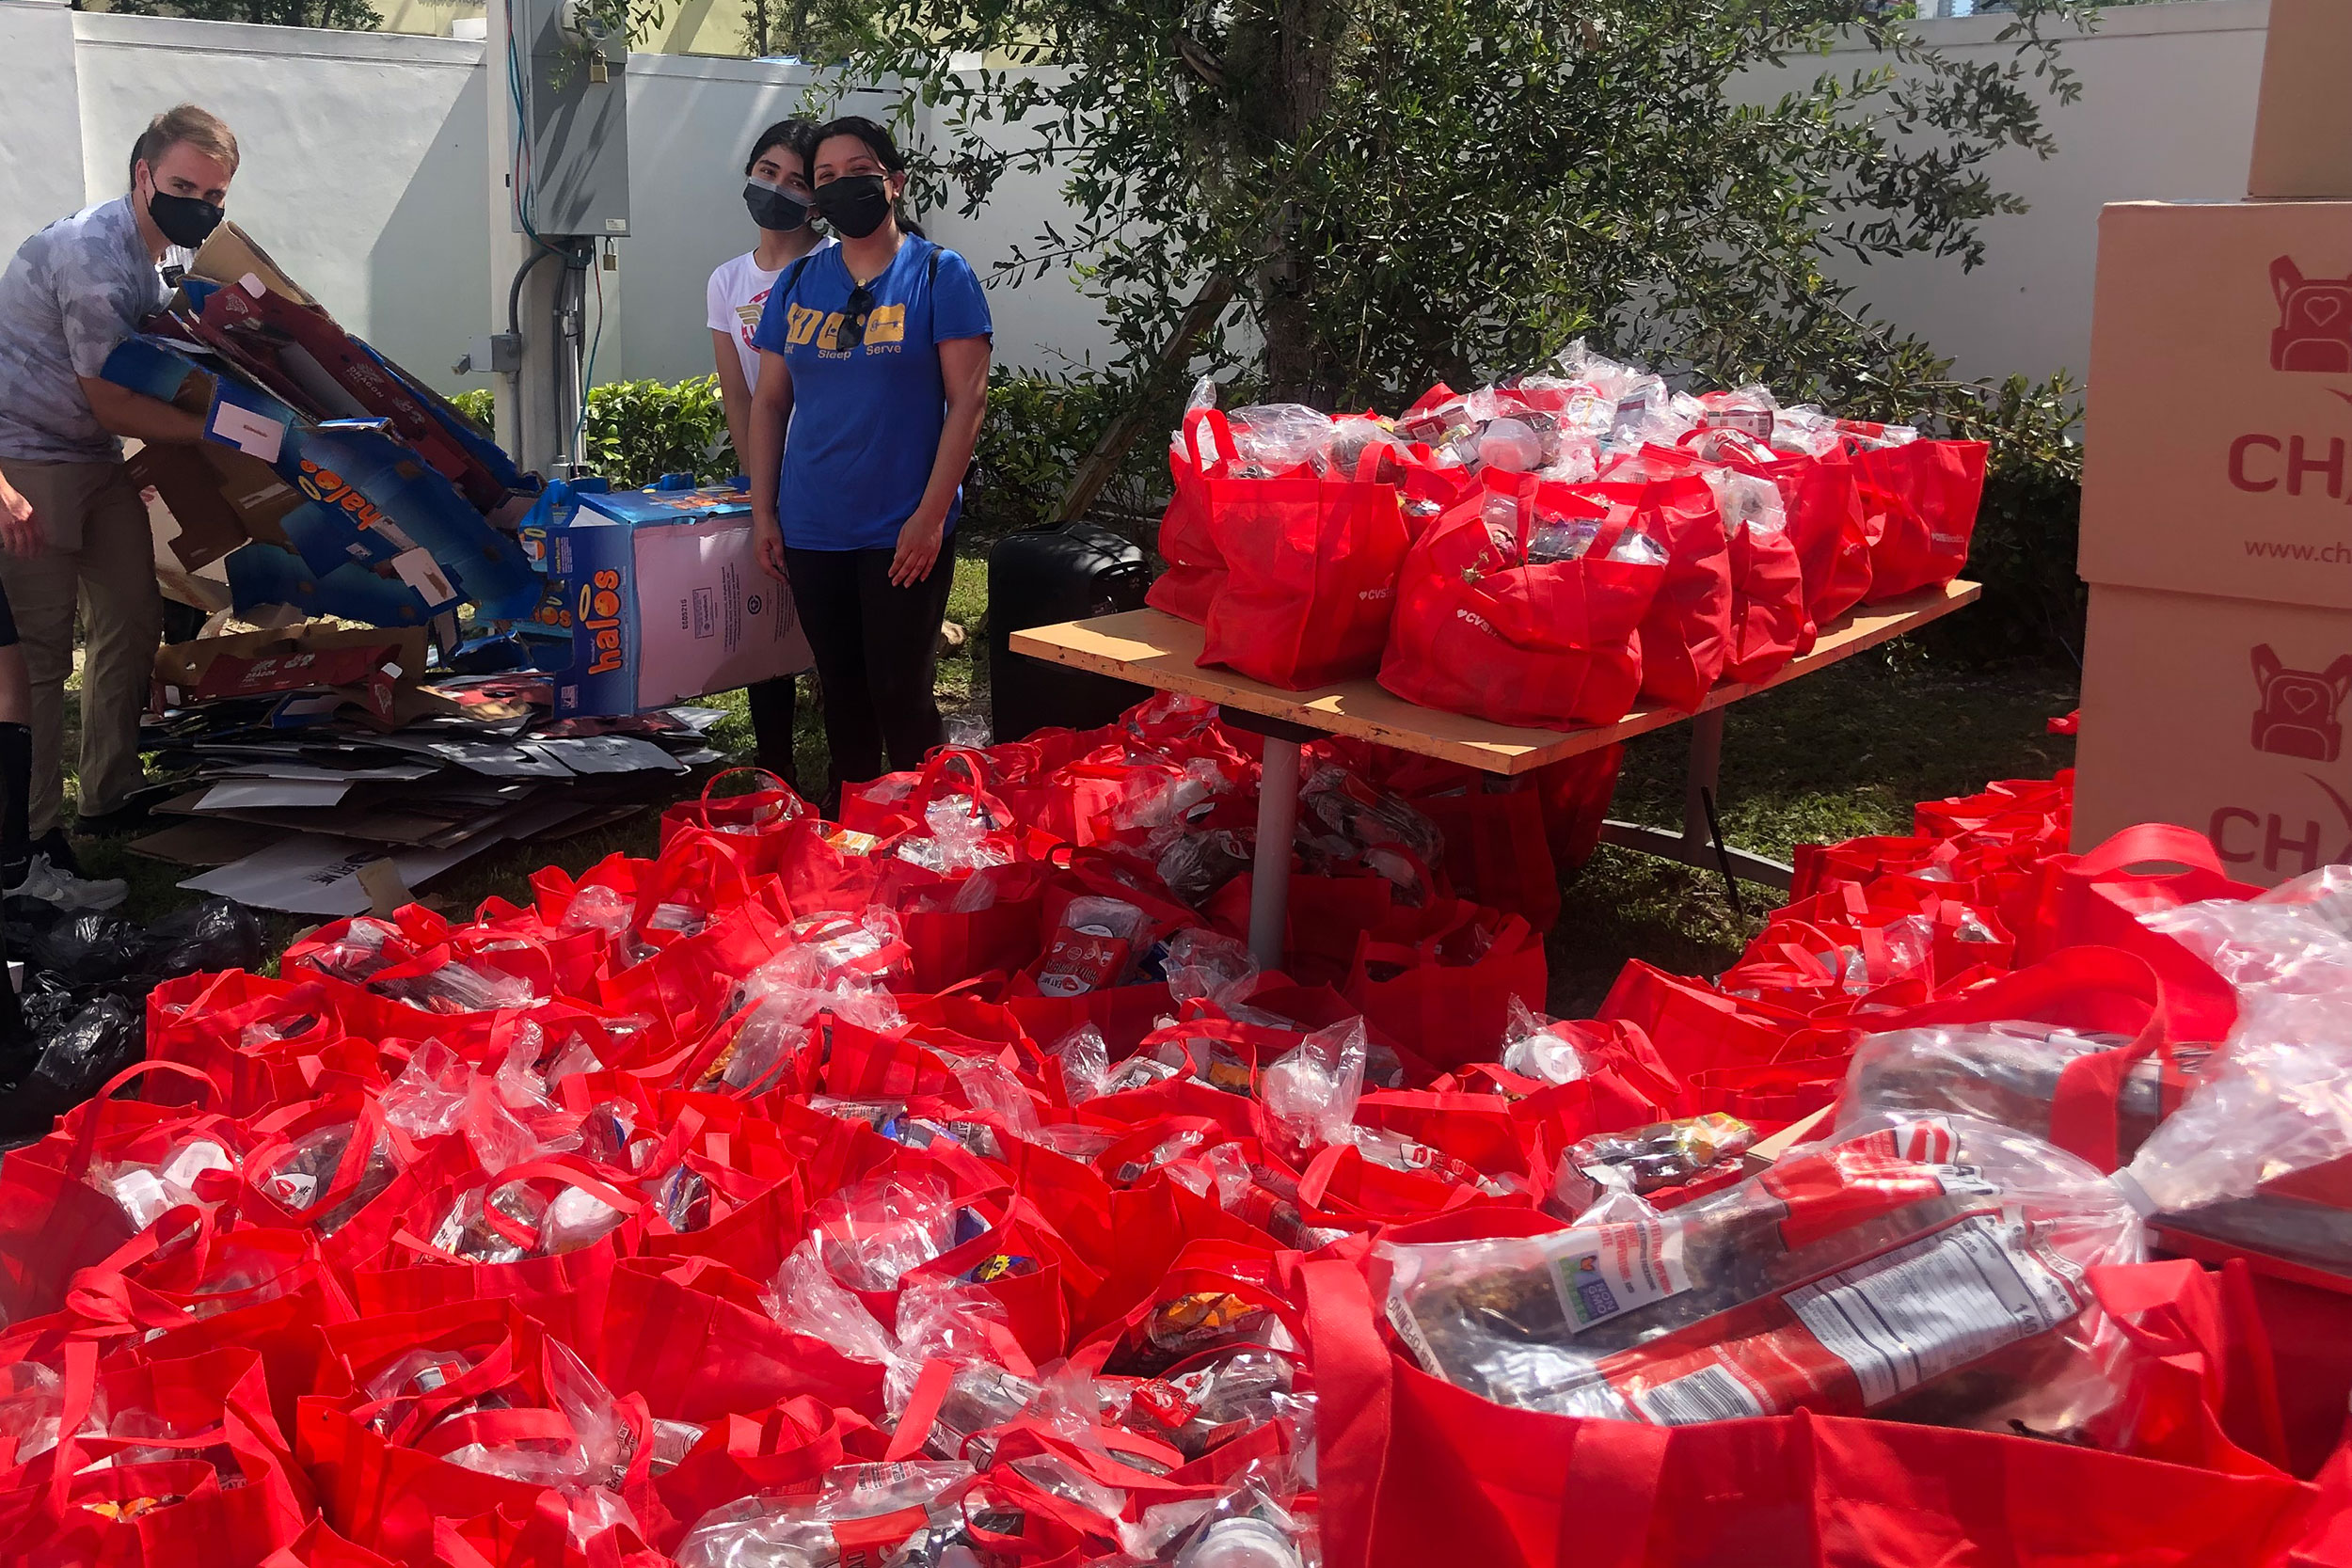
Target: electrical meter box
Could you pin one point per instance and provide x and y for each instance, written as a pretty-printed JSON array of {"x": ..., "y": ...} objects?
[{"x": 569, "y": 68}]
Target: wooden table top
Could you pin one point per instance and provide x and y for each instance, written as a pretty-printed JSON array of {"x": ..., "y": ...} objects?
[{"x": 1152, "y": 648}]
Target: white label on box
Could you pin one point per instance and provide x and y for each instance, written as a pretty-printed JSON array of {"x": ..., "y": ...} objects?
[
  {"x": 708, "y": 618},
  {"x": 256, "y": 435},
  {"x": 419, "y": 571}
]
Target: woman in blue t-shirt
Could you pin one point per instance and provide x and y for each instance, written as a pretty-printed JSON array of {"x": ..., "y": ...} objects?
[{"x": 875, "y": 352}]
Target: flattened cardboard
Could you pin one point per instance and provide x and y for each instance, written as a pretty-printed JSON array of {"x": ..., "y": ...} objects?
[
  {"x": 2226, "y": 716},
  {"x": 2303, "y": 123},
  {"x": 2217, "y": 437},
  {"x": 376, "y": 665},
  {"x": 206, "y": 842}
]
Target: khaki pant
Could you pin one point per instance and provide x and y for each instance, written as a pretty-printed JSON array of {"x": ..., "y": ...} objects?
[{"x": 100, "y": 555}]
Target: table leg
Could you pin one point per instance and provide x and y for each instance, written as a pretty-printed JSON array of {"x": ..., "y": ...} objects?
[
  {"x": 1694, "y": 844},
  {"x": 1270, "y": 873}
]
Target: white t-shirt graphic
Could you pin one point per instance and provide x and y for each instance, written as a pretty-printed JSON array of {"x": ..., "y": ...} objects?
[{"x": 738, "y": 293}]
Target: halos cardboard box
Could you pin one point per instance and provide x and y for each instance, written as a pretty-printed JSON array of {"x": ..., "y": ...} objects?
[
  {"x": 2217, "y": 522},
  {"x": 662, "y": 595}
]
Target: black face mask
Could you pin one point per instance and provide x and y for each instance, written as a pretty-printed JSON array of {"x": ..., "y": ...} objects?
[
  {"x": 855, "y": 204},
  {"x": 186, "y": 221},
  {"x": 773, "y": 207}
]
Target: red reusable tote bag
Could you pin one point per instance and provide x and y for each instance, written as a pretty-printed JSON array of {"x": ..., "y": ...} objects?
[
  {"x": 2099, "y": 897},
  {"x": 1416, "y": 1471},
  {"x": 1551, "y": 644},
  {"x": 1827, "y": 526},
  {"x": 1309, "y": 577},
  {"x": 1921, "y": 502},
  {"x": 1686, "y": 638},
  {"x": 1195, "y": 570}
]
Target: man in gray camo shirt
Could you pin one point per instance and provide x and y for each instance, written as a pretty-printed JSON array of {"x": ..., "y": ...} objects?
[{"x": 75, "y": 526}]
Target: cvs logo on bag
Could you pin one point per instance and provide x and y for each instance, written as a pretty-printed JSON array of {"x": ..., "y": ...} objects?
[{"x": 1475, "y": 620}]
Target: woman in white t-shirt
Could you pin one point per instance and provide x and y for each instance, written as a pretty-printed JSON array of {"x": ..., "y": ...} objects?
[{"x": 777, "y": 189}]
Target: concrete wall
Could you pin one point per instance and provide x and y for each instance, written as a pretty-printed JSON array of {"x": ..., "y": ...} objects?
[
  {"x": 2167, "y": 112},
  {"x": 40, "y": 150}
]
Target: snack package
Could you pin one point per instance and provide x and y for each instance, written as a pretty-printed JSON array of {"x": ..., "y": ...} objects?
[
  {"x": 2260, "y": 1153},
  {"x": 1916, "y": 1269},
  {"x": 1667, "y": 1162},
  {"x": 1093, "y": 948}
]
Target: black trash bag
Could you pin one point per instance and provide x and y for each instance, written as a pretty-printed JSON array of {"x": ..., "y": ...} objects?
[
  {"x": 214, "y": 935},
  {"x": 90, "y": 949},
  {"x": 76, "y": 1057}
]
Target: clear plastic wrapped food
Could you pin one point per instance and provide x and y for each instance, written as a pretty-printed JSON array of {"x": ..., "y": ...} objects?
[
  {"x": 2295, "y": 938},
  {"x": 862, "y": 1512},
  {"x": 2260, "y": 1152},
  {"x": 1918, "y": 1269},
  {"x": 872, "y": 1233},
  {"x": 1093, "y": 948},
  {"x": 1648, "y": 1162},
  {"x": 312, "y": 1163},
  {"x": 2006, "y": 1072}
]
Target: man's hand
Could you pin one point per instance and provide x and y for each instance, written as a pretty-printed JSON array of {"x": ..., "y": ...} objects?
[
  {"x": 768, "y": 538},
  {"x": 20, "y": 530},
  {"x": 918, "y": 551}
]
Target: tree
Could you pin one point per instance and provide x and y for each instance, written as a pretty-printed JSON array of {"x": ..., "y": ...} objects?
[
  {"x": 353, "y": 15},
  {"x": 1454, "y": 188}
]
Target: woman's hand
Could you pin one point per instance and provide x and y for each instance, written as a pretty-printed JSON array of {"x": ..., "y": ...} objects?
[
  {"x": 768, "y": 538},
  {"x": 918, "y": 549},
  {"x": 20, "y": 530}
]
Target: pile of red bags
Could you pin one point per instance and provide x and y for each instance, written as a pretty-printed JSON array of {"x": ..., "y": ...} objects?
[
  {"x": 944, "y": 1188},
  {"x": 1554, "y": 549}
]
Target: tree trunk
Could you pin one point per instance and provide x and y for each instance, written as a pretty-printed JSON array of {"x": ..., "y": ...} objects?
[{"x": 1298, "y": 55}]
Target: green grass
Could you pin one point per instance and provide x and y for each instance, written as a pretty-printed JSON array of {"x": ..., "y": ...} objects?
[
  {"x": 1837, "y": 755},
  {"x": 1841, "y": 753}
]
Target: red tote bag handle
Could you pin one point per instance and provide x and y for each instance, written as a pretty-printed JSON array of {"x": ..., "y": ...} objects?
[
  {"x": 1220, "y": 437},
  {"x": 1353, "y": 1400},
  {"x": 2083, "y": 1112},
  {"x": 2162, "y": 842}
]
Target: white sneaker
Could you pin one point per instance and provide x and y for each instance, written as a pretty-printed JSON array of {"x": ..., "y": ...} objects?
[{"x": 72, "y": 894}]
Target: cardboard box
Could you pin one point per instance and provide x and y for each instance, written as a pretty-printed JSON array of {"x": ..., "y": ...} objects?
[
  {"x": 242, "y": 305},
  {"x": 2217, "y": 517},
  {"x": 371, "y": 668},
  {"x": 2303, "y": 123},
  {"x": 349, "y": 497},
  {"x": 663, "y": 597},
  {"x": 2222, "y": 715}
]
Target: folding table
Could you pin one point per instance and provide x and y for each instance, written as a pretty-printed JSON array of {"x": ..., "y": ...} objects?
[{"x": 1158, "y": 650}]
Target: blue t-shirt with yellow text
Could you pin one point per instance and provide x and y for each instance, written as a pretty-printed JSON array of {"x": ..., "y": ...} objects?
[{"x": 866, "y": 421}]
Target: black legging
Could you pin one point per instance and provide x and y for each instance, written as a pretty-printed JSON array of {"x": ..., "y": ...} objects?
[{"x": 876, "y": 650}]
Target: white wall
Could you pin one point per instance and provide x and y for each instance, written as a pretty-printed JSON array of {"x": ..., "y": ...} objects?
[
  {"x": 1042, "y": 322},
  {"x": 365, "y": 176},
  {"x": 40, "y": 146},
  {"x": 2167, "y": 112},
  {"x": 363, "y": 170}
]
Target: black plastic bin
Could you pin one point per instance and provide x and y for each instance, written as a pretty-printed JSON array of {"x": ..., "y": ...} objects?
[{"x": 1041, "y": 576}]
